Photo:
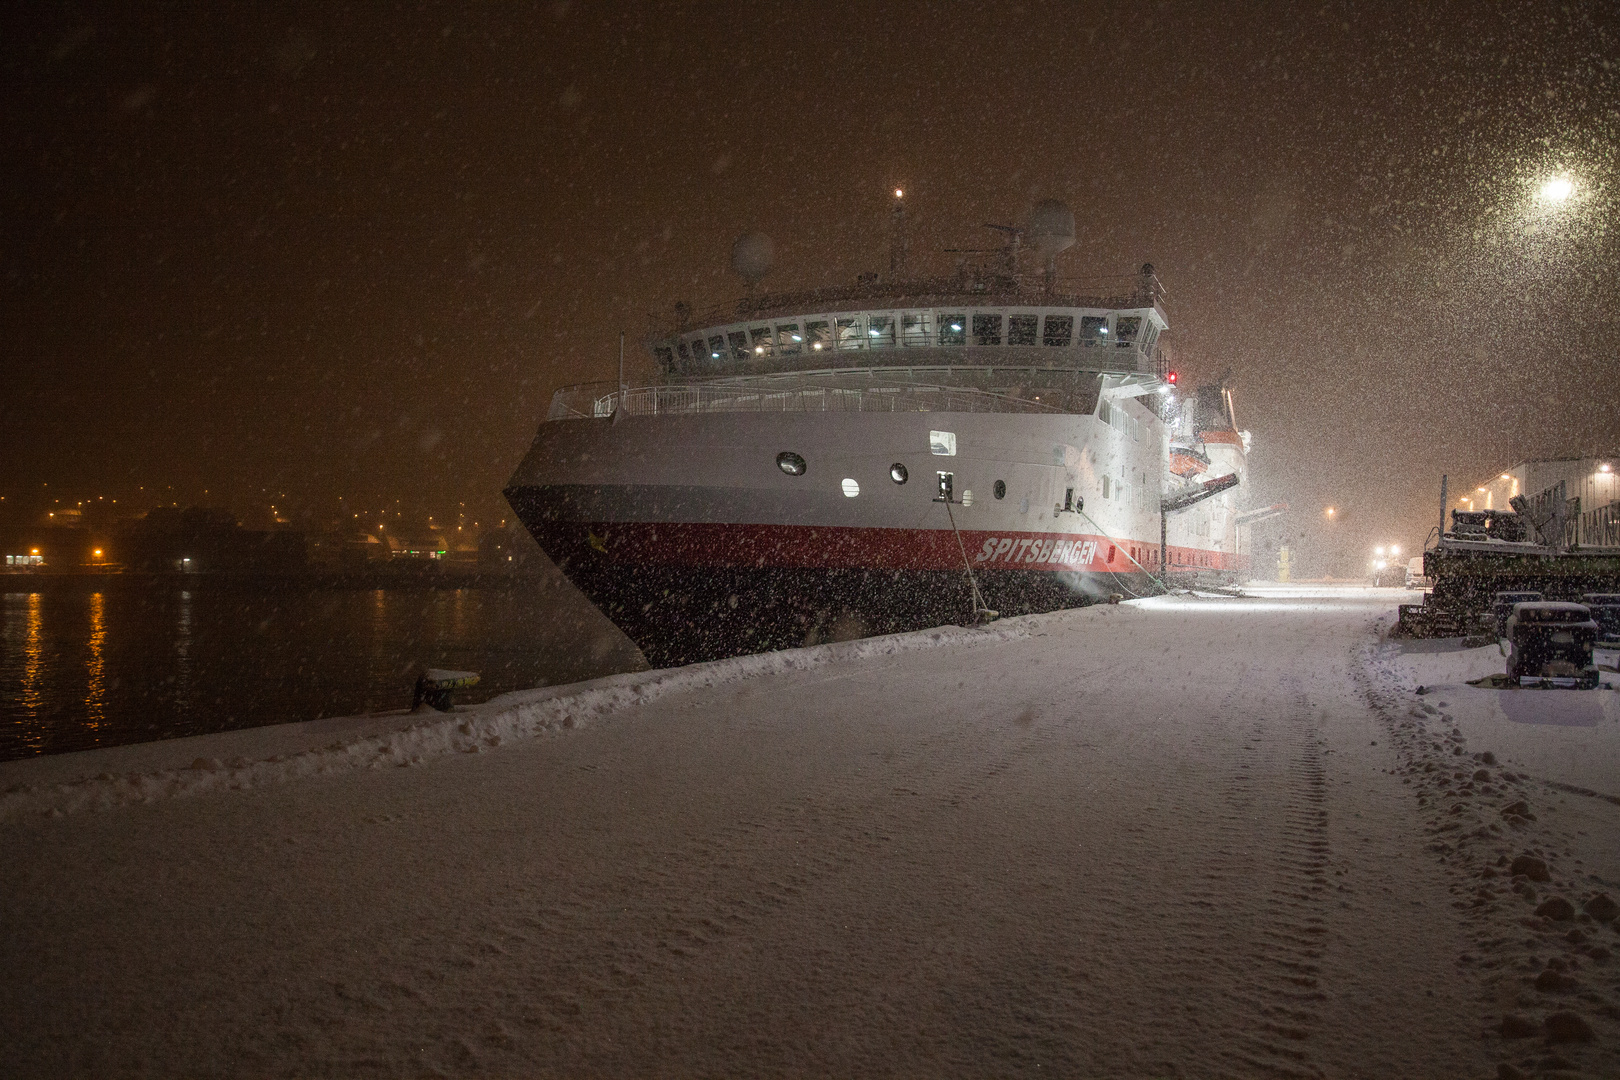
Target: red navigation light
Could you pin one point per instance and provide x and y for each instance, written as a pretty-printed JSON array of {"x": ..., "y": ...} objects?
[{"x": 1170, "y": 377}]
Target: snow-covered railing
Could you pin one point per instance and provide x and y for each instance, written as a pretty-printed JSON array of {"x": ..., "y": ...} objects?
[{"x": 599, "y": 400}]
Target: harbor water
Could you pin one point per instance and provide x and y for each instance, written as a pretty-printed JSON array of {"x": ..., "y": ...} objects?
[{"x": 102, "y": 666}]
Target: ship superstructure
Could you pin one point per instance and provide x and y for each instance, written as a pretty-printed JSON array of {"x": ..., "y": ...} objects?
[{"x": 891, "y": 455}]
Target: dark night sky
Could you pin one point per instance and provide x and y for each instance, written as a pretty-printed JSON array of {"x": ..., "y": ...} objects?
[{"x": 352, "y": 249}]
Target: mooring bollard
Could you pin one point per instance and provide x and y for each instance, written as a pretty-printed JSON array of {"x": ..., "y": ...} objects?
[{"x": 435, "y": 686}]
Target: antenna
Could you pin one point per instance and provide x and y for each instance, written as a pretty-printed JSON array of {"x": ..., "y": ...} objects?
[
  {"x": 897, "y": 234},
  {"x": 618, "y": 405}
]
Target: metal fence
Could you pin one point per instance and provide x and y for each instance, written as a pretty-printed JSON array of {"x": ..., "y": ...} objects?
[{"x": 597, "y": 400}]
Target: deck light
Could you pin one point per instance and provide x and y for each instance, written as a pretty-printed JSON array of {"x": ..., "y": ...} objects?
[
  {"x": 1394, "y": 549},
  {"x": 1379, "y": 551},
  {"x": 899, "y": 193},
  {"x": 1505, "y": 476},
  {"x": 1605, "y": 467}
]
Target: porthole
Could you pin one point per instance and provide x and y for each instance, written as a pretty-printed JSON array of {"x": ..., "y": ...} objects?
[
  {"x": 790, "y": 463},
  {"x": 897, "y": 473},
  {"x": 851, "y": 488},
  {"x": 1000, "y": 489}
]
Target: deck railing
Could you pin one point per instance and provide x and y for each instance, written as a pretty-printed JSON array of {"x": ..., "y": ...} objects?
[{"x": 598, "y": 400}]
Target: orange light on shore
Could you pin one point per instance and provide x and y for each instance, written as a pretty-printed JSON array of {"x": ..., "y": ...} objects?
[{"x": 97, "y": 553}]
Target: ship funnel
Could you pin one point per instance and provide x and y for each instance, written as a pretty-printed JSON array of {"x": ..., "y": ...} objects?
[{"x": 752, "y": 257}]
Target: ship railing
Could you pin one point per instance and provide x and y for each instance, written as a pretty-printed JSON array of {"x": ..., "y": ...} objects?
[{"x": 599, "y": 400}]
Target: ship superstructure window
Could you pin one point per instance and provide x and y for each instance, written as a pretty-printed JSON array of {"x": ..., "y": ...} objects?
[
  {"x": 1105, "y": 487},
  {"x": 987, "y": 329},
  {"x": 851, "y": 335},
  {"x": 790, "y": 463},
  {"x": 897, "y": 473},
  {"x": 1022, "y": 329},
  {"x": 717, "y": 348},
  {"x": 953, "y": 329},
  {"x": 666, "y": 359},
  {"x": 1093, "y": 330},
  {"x": 680, "y": 347},
  {"x": 880, "y": 331},
  {"x": 1059, "y": 331},
  {"x": 789, "y": 340},
  {"x": 739, "y": 344},
  {"x": 759, "y": 340},
  {"x": 942, "y": 443},
  {"x": 917, "y": 329},
  {"x": 817, "y": 335},
  {"x": 1000, "y": 490},
  {"x": 1126, "y": 327},
  {"x": 851, "y": 487}
]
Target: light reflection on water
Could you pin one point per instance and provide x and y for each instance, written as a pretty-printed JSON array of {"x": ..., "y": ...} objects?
[
  {"x": 82, "y": 669},
  {"x": 95, "y": 694}
]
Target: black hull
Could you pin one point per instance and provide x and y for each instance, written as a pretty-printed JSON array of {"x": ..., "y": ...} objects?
[{"x": 685, "y": 615}]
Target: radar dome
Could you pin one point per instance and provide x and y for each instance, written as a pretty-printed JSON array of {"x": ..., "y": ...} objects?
[
  {"x": 752, "y": 256},
  {"x": 1051, "y": 227}
]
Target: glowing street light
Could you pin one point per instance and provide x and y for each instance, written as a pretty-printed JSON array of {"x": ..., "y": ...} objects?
[{"x": 1557, "y": 190}]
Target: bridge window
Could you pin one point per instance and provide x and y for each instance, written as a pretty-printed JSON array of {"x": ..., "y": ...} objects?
[
  {"x": 680, "y": 347},
  {"x": 759, "y": 340},
  {"x": 666, "y": 358},
  {"x": 916, "y": 328},
  {"x": 987, "y": 329},
  {"x": 717, "y": 348},
  {"x": 818, "y": 335},
  {"x": 880, "y": 331},
  {"x": 953, "y": 329},
  {"x": 1093, "y": 330},
  {"x": 789, "y": 340},
  {"x": 1126, "y": 327},
  {"x": 1022, "y": 329},
  {"x": 739, "y": 344},
  {"x": 1059, "y": 330},
  {"x": 850, "y": 334}
]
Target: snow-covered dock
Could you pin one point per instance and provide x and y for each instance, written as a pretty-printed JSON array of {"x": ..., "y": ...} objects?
[{"x": 1177, "y": 837}]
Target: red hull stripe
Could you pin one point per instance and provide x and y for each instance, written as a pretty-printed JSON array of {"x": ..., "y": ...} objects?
[{"x": 694, "y": 544}]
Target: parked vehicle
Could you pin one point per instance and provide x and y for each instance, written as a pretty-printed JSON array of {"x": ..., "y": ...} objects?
[
  {"x": 1552, "y": 641},
  {"x": 1605, "y": 608},
  {"x": 1502, "y": 607},
  {"x": 1415, "y": 578}
]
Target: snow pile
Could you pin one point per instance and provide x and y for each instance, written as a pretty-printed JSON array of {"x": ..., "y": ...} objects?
[
  {"x": 1518, "y": 790},
  {"x": 470, "y": 729}
]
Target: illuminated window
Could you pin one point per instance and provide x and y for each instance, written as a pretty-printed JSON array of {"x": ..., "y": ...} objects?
[
  {"x": 987, "y": 329},
  {"x": 1093, "y": 330},
  {"x": 1022, "y": 329},
  {"x": 953, "y": 329},
  {"x": 817, "y": 336},
  {"x": 759, "y": 341},
  {"x": 942, "y": 443},
  {"x": 851, "y": 334},
  {"x": 717, "y": 348},
  {"x": 789, "y": 340},
  {"x": 1059, "y": 330},
  {"x": 1126, "y": 327},
  {"x": 917, "y": 328},
  {"x": 880, "y": 332}
]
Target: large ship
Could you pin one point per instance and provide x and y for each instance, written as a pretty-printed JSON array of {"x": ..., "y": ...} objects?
[{"x": 895, "y": 454}]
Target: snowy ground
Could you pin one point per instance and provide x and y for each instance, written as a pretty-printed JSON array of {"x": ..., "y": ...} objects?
[{"x": 1179, "y": 837}]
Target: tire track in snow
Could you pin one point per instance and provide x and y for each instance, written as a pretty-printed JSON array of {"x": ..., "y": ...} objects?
[{"x": 1280, "y": 778}]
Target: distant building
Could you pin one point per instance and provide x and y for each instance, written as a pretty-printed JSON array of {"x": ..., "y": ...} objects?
[{"x": 1595, "y": 481}]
